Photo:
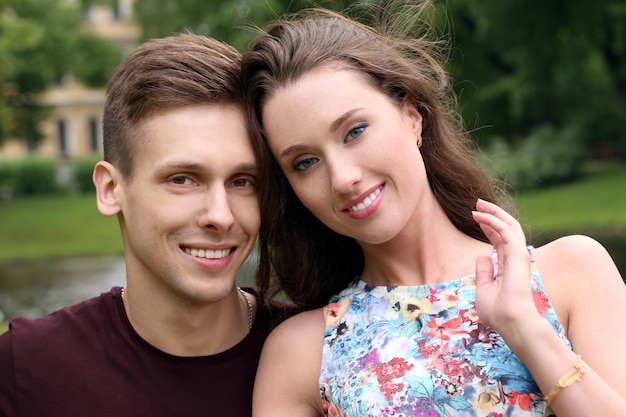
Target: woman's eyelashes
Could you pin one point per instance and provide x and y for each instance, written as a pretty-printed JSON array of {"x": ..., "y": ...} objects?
[
  {"x": 302, "y": 164},
  {"x": 356, "y": 131}
]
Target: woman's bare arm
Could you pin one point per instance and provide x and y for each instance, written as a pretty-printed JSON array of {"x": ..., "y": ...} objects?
[
  {"x": 287, "y": 378},
  {"x": 589, "y": 296}
]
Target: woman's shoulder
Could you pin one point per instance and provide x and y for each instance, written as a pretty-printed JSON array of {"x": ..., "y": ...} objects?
[
  {"x": 578, "y": 271},
  {"x": 575, "y": 254},
  {"x": 570, "y": 243},
  {"x": 300, "y": 329}
]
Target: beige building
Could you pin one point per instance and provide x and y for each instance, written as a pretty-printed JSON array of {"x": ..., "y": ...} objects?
[{"x": 74, "y": 128}]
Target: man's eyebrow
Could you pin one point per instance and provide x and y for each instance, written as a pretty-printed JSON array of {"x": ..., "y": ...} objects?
[
  {"x": 192, "y": 166},
  {"x": 246, "y": 167},
  {"x": 195, "y": 166}
]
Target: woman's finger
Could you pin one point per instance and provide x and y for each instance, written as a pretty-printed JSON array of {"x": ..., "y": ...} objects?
[
  {"x": 484, "y": 271},
  {"x": 498, "y": 221}
]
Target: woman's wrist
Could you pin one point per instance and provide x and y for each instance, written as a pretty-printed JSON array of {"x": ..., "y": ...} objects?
[{"x": 530, "y": 336}]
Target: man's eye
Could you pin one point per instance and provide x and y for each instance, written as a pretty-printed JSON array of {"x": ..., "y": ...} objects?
[
  {"x": 180, "y": 180},
  {"x": 243, "y": 182}
]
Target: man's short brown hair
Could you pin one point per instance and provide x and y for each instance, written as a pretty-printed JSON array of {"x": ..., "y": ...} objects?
[{"x": 163, "y": 74}]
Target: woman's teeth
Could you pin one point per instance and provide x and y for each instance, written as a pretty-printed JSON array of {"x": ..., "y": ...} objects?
[{"x": 366, "y": 202}]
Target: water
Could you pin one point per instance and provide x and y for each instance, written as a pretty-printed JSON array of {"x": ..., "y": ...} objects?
[{"x": 34, "y": 289}]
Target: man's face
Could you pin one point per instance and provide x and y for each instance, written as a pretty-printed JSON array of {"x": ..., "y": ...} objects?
[{"x": 190, "y": 214}]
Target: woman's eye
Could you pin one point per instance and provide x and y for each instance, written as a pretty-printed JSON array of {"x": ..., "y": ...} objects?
[
  {"x": 356, "y": 131},
  {"x": 304, "y": 164}
]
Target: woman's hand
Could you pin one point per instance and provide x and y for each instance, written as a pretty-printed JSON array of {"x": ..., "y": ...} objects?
[{"x": 503, "y": 302}]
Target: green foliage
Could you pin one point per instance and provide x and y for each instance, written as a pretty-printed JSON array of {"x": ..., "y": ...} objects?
[
  {"x": 547, "y": 156},
  {"x": 228, "y": 21},
  {"x": 28, "y": 177},
  {"x": 82, "y": 170},
  {"x": 33, "y": 176},
  {"x": 520, "y": 64},
  {"x": 222, "y": 20},
  {"x": 40, "y": 43},
  {"x": 96, "y": 60}
]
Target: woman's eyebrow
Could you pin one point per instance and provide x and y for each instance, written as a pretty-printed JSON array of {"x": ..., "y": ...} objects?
[{"x": 335, "y": 125}]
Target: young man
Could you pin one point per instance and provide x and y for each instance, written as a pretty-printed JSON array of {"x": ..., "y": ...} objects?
[{"x": 181, "y": 339}]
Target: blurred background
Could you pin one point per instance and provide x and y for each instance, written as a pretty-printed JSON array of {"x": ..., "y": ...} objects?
[{"x": 542, "y": 88}]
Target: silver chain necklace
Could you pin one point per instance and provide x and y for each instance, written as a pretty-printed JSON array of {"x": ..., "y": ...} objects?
[
  {"x": 249, "y": 304},
  {"x": 243, "y": 294}
]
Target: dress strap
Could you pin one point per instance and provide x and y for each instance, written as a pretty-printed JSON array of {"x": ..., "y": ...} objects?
[
  {"x": 531, "y": 252},
  {"x": 494, "y": 259}
]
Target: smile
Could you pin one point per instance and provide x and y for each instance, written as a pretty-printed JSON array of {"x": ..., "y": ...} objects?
[
  {"x": 208, "y": 253},
  {"x": 367, "y": 201}
]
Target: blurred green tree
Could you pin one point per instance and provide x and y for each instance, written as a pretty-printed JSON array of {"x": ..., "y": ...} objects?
[
  {"x": 40, "y": 43},
  {"x": 231, "y": 21},
  {"x": 520, "y": 64}
]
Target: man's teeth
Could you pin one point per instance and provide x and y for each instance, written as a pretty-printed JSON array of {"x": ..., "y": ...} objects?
[
  {"x": 207, "y": 253},
  {"x": 366, "y": 202}
]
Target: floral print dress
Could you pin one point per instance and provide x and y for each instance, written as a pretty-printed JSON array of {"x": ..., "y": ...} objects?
[{"x": 423, "y": 351}]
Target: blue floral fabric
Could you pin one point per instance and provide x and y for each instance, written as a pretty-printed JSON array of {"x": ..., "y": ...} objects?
[{"x": 423, "y": 351}]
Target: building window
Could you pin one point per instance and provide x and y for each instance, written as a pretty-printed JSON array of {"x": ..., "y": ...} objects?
[
  {"x": 94, "y": 135},
  {"x": 87, "y": 15},
  {"x": 62, "y": 135},
  {"x": 117, "y": 13},
  {"x": 122, "y": 10}
]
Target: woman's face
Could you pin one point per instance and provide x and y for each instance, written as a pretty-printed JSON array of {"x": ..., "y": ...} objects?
[{"x": 349, "y": 152}]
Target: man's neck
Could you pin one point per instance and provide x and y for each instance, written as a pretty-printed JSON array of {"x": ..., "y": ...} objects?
[{"x": 189, "y": 330}]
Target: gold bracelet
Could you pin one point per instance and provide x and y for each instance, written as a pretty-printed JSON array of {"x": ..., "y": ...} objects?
[{"x": 572, "y": 376}]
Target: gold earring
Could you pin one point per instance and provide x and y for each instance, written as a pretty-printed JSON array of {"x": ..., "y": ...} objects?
[{"x": 419, "y": 141}]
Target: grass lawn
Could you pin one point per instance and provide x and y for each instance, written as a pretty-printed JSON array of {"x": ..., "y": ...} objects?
[
  {"x": 51, "y": 226},
  {"x": 596, "y": 203}
]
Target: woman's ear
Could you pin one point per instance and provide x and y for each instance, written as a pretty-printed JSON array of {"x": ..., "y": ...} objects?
[
  {"x": 106, "y": 179},
  {"x": 410, "y": 109}
]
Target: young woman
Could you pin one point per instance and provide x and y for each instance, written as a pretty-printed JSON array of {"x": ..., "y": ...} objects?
[{"x": 370, "y": 175}]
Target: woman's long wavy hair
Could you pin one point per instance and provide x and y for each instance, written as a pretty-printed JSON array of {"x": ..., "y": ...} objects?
[{"x": 299, "y": 254}]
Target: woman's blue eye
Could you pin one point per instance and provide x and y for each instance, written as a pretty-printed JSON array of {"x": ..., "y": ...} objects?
[
  {"x": 356, "y": 131},
  {"x": 304, "y": 164}
]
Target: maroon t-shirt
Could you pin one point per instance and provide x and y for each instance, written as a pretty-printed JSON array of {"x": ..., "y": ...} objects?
[{"x": 87, "y": 360}]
